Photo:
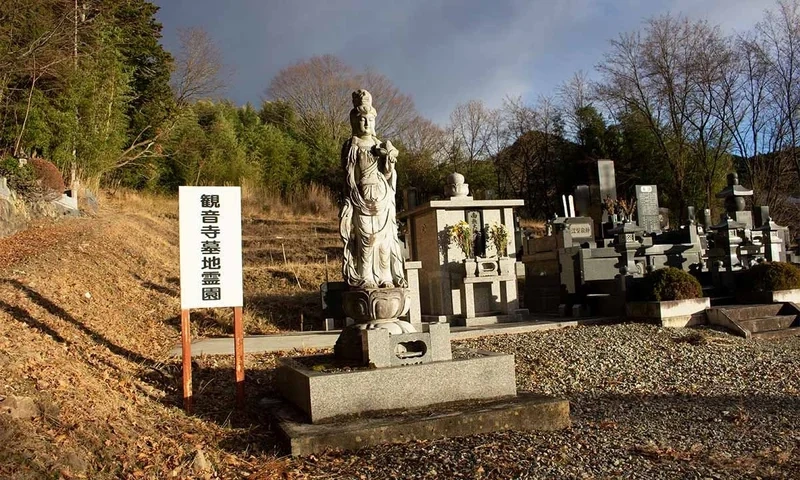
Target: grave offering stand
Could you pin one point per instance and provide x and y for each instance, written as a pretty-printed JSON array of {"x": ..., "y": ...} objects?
[{"x": 478, "y": 290}]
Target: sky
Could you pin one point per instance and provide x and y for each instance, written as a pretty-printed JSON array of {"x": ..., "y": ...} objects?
[{"x": 440, "y": 52}]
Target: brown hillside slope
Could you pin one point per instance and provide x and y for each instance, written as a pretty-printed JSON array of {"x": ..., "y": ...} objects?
[{"x": 88, "y": 309}]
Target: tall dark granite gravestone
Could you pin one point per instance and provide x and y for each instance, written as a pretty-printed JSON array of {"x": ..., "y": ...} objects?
[
  {"x": 647, "y": 214},
  {"x": 760, "y": 216}
]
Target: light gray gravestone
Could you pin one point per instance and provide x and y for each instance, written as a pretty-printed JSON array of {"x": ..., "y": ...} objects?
[{"x": 647, "y": 213}]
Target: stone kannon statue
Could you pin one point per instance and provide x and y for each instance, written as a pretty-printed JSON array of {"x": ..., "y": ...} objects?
[
  {"x": 377, "y": 293},
  {"x": 373, "y": 257}
]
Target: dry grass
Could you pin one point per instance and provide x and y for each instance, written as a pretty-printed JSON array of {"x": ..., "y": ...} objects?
[
  {"x": 535, "y": 226},
  {"x": 86, "y": 322},
  {"x": 307, "y": 200},
  {"x": 288, "y": 251}
]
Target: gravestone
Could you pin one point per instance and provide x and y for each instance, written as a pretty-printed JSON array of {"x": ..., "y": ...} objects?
[
  {"x": 410, "y": 198},
  {"x": 603, "y": 186},
  {"x": 707, "y": 223},
  {"x": 760, "y": 216},
  {"x": 475, "y": 220},
  {"x": 582, "y": 200},
  {"x": 607, "y": 180},
  {"x": 647, "y": 213}
]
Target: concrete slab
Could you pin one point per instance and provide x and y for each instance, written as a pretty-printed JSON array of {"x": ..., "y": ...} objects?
[
  {"x": 326, "y": 339},
  {"x": 526, "y": 411}
]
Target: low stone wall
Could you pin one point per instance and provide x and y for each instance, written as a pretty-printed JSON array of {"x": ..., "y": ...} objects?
[
  {"x": 673, "y": 313},
  {"x": 782, "y": 296},
  {"x": 775, "y": 296},
  {"x": 16, "y": 214}
]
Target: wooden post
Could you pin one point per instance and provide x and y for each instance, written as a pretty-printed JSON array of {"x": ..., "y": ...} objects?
[
  {"x": 238, "y": 350},
  {"x": 186, "y": 344}
]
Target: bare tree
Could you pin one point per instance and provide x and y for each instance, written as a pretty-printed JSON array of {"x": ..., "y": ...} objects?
[
  {"x": 396, "y": 110},
  {"x": 777, "y": 42},
  {"x": 319, "y": 90},
  {"x": 198, "y": 67},
  {"x": 528, "y": 168},
  {"x": 672, "y": 75},
  {"x": 574, "y": 94},
  {"x": 759, "y": 120},
  {"x": 472, "y": 126},
  {"x": 423, "y": 137}
]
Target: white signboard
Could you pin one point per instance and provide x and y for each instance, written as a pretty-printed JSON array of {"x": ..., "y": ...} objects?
[{"x": 211, "y": 247}]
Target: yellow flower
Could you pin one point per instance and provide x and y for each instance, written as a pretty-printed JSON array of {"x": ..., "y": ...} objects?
[
  {"x": 498, "y": 234},
  {"x": 461, "y": 235}
]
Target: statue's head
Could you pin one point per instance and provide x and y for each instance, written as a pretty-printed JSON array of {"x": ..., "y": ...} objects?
[{"x": 362, "y": 116}]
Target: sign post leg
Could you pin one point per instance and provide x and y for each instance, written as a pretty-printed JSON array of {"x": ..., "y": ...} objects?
[
  {"x": 186, "y": 344},
  {"x": 238, "y": 348}
]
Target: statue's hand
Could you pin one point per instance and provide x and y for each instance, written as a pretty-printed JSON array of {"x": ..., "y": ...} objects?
[
  {"x": 379, "y": 152},
  {"x": 372, "y": 207}
]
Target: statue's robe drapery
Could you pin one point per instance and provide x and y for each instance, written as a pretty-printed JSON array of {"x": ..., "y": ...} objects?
[{"x": 367, "y": 225}]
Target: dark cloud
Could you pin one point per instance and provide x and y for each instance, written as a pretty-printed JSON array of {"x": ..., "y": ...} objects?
[{"x": 440, "y": 52}]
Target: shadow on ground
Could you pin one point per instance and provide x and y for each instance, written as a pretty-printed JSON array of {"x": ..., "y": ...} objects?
[{"x": 286, "y": 311}]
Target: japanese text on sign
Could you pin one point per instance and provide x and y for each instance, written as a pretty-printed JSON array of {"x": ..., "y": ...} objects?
[{"x": 211, "y": 247}]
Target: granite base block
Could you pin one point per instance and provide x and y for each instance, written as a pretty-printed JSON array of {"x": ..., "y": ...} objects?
[
  {"x": 326, "y": 395},
  {"x": 525, "y": 411}
]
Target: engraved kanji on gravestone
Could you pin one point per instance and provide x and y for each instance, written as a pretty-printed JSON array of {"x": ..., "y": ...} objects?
[
  {"x": 475, "y": 220},
  {"x": 647, "y": 208}
]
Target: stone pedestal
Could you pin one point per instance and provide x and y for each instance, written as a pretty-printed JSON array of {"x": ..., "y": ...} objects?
[{"x": 324, "y": 395}]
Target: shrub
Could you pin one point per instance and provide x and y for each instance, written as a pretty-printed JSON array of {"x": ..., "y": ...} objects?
[
  {"x": 770, "y": 276},
  {"x": 670, "y": 283},
  {"x": 49, "y": 177},
  {"x": 21, "y": 179}
]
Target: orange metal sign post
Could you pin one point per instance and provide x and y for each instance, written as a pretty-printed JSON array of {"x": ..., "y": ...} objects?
[
  {"x": 238, "y": 350},
  {"x": 238, "y": 361},
  {"x": 186, "y": 346}
]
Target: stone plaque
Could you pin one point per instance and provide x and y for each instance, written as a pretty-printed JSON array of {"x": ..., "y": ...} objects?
[
  {"x": 580, "y": 230},
  {"x": 647, "y": 213}
]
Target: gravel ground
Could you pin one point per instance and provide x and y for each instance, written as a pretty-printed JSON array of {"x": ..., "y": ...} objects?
[{"x": 646, "y": 403}]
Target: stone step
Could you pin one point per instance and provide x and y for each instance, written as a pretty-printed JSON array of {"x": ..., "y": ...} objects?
[
  {"x": 774, "y": 334},
  {"x": 749, "y": 312},
  {"x": 766, "y": 324}
]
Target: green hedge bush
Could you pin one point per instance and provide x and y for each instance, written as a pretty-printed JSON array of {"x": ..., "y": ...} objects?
[
  {"x": 771, "y": 276},
  {"x": 667, "y": 284}
]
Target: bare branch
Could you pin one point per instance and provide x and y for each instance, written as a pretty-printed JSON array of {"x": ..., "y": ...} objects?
[{"x": 198, "y": 67}]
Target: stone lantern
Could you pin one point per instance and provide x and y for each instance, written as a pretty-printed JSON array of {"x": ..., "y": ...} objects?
[
  {"x": 772, "y": 241},
  {"x": 626, "y": 243}
]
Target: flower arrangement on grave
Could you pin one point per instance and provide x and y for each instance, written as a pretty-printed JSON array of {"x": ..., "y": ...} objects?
[
  {"x": 498, "y": 234},
  {"x": 621, "y": 207},
  {"x": 461, "y": 235}
]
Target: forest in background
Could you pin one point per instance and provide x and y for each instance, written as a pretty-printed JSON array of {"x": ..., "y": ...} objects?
[{"x": 87, "y": 85}]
